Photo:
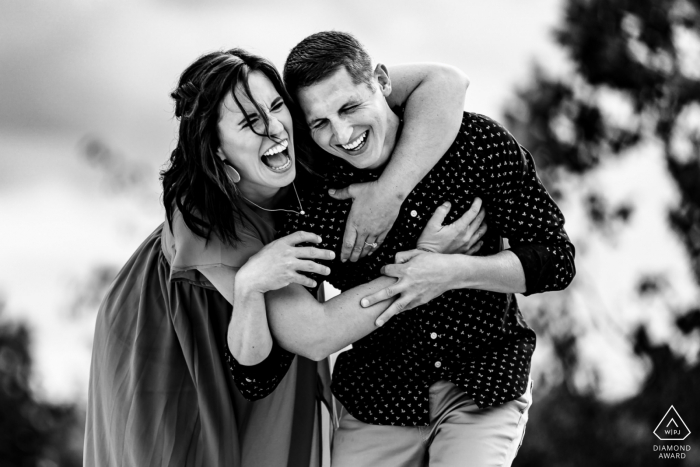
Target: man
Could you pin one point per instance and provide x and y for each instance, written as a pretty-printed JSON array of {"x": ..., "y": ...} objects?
[{"x": 447, "y": 383}]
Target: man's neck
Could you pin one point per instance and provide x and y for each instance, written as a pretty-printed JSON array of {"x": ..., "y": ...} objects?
[{"x": 393, "y": 131}]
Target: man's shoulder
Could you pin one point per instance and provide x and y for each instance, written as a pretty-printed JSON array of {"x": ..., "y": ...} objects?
[{"x": 488, "y": 140}]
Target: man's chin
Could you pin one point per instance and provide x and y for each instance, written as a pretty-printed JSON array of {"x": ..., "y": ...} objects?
[{"x": 361, "y": 162}]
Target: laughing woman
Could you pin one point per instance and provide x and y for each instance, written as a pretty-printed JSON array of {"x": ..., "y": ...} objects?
[{"x": 161, "y": 392}]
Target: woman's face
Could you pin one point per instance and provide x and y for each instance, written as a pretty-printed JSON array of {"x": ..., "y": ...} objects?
[{"x": 264, "y": 164}]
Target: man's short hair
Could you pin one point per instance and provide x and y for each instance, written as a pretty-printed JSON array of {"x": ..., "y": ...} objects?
[{"x": 320, "y": 55}]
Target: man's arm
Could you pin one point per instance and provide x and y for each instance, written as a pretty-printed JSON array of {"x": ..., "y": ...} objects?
[
  {"x": 433, "y": 96},
  {"x": 540, "y": 257}
]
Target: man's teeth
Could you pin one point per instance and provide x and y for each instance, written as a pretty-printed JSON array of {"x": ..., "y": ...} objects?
[
  {"x": 355, "y": 144},
  {"x": 277, "y": 148}
]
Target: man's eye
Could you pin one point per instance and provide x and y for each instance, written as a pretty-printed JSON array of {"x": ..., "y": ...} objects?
[{"x": 319, "y": 125}]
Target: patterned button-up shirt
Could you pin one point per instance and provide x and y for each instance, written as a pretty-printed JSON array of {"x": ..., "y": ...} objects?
[{"x": 474, "y": 338}]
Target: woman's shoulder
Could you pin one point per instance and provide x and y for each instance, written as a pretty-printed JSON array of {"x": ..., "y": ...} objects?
[{"x": 186, "y": 251}]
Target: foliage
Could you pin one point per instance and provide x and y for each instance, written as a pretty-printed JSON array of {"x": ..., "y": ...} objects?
[
  {"x": 635, "y": 80},
  {"x": 32, "y": 432}
]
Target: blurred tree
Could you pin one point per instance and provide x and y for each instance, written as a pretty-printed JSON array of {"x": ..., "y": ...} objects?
[
  {"x": 32, "y": 433},
  {"x": 634, "y": 82}
]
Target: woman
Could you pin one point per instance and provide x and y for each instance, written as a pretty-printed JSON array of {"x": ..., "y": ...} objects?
[{"x": 160, "y": 392}]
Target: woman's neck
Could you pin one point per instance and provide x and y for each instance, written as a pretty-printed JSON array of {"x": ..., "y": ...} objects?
[{"x": 263, "y": 196}]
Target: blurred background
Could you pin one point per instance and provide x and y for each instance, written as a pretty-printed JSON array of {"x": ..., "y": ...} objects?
[{"x": 605, "y": 93}]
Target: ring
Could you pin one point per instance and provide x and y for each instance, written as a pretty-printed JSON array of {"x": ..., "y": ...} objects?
[{"x": 371, "y": 245}]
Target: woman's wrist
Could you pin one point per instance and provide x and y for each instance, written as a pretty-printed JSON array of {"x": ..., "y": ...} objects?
[
  {"x": 245, "y": 284},
  {"x": 394, "y": 189}
]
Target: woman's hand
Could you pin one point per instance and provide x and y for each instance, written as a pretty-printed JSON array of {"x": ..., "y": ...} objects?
[
  {"x": 278, "y": 264},
  {"x": 371, "y": 217},
  {"x": 462, "y": 236},
  {"x": 421, "y": 275}
]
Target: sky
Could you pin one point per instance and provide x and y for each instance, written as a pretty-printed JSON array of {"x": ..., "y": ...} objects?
[{"x": 100, "y": 71}]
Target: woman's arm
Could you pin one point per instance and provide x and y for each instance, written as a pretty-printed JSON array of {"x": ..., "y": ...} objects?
[
  {"x": 315, "y": 330},
  {"x": 433, "y": 97},
  {"x": 277, "y": 265}
]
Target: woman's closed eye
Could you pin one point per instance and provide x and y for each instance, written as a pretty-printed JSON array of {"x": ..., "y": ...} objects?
[{"x": 277, "y": 105}]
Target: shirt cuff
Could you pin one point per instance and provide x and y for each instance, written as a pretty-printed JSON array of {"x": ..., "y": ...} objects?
[
  {"x": 278, "y": 357},
  {"x": 533, "y": 259}
]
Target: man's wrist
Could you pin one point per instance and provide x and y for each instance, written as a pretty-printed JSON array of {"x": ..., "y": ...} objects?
[{"x": 464, "y": 270}]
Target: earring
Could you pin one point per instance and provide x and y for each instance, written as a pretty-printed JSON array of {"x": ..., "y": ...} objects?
[{"x": 232, "y": 173}]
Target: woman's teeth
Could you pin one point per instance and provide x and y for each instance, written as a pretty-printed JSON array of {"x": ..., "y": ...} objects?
[
  {"x": 357, "y": 144},
  {"x": 276, "y": 158},
  {"x": 277, "y": 148}
]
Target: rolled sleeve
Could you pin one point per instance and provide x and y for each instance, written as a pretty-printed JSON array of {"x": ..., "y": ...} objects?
[
  {"x": 528, "y": 217},
  {"x": 258, "y": 381}
]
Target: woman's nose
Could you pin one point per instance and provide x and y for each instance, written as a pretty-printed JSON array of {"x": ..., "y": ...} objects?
[{"x": 275, "y": 127}]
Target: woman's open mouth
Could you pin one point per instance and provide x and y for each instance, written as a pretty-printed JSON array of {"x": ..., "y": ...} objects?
[
  {"x": 277, "y": 157},
  {"x": 357, "y": 144}
]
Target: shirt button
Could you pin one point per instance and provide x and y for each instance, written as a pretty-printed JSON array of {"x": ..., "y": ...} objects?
[
  {"x": 433, "y": 335},
  {"x": 414, "y": 213},
  {"x": 438, "y": 364}
]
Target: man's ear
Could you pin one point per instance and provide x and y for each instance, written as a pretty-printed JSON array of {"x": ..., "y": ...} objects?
[{"x": 382, "y": 75}]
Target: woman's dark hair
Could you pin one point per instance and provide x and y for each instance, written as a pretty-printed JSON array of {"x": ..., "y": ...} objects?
[{"x": 195, "y": 180}]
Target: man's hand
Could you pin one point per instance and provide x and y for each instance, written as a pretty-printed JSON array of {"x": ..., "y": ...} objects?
[
  {"x": 422, "y": 276},
  {"x": 372, "y": 215}
]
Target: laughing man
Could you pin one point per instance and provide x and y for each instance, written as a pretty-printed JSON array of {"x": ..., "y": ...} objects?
[{"x": 447, "y": 383}]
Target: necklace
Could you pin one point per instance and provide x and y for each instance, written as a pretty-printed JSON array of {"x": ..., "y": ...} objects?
[{"x": 301, "y": 209}]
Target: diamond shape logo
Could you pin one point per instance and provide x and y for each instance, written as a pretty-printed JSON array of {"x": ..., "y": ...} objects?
[{"x": 672, "y": 427}]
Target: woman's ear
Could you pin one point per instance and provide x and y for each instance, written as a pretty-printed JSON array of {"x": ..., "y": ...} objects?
[
  {"x": 220, "y": 153},
  {"x": 382, "y": 75}
]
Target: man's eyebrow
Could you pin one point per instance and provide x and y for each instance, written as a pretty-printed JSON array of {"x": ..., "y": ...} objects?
[{"x": 353, "y": 101}]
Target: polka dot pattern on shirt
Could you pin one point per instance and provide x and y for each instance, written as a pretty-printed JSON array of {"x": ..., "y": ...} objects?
[{"x": 477, "y": 339}]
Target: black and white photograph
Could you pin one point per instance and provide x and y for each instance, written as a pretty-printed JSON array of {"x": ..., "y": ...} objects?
[{"x": 349, "y": 234}]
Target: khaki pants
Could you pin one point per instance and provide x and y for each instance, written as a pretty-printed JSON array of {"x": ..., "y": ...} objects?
[{"x": 459, "y": 434}]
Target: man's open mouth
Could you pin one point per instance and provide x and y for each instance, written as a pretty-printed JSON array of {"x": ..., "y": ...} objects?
[
  {"x": 357, "y": 144},
  {"x": 277, "y": 157}
]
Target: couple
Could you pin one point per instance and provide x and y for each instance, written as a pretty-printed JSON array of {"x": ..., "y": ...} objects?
[{"x": 446, "y": 383}]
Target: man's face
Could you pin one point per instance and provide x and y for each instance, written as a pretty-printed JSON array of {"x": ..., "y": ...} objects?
[{"x": 352, "y": 121}]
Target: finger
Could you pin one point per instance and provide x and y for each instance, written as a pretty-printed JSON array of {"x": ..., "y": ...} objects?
[
  {"x": 302, "y": 280},
  {"x": 309, "y": 252},
  {"x": 473, "y": 250},
  {"x": 369, "y": 246},
  {"x": 348, "y": 242},
  {"x": 310, "y": 266},
  {"x": 392, "y": 270},
  {"x": 395, "y": 308},
  {"x": 470, "y": 215},
  {"x": 439, "y": 215},
  {"x": 404, "y": 256},
  {"x": 341, "y": 193},
  {"x": 380, "y": 241},
  {"x": 382, "y": 295},
  {"x": 302, "y": 237},
  {"x": 477, "y": 236},
  {"x": 359, "y": 245}
]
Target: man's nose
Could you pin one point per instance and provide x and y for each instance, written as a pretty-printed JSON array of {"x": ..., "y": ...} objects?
[{"x": 342, "y": 131}]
